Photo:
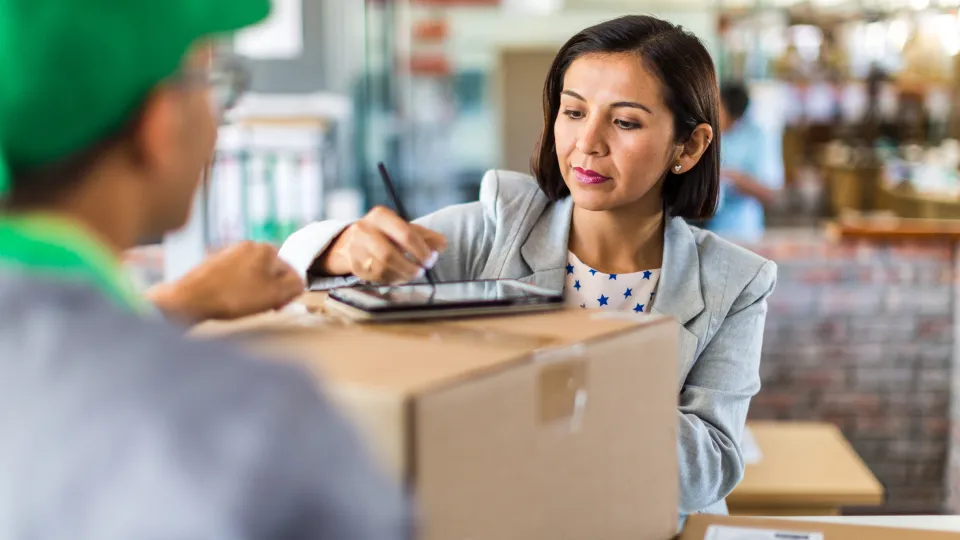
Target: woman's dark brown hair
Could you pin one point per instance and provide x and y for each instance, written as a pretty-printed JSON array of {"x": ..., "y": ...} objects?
[{"x": 689, "y": 87}]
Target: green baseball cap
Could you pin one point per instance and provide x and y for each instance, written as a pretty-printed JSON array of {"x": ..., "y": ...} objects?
[{"x": 73, "y": 71}]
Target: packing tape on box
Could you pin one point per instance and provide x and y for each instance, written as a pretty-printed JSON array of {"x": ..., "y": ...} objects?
[
  {"x": 562, "y": 386},
  {"x": 475, "y": 336},
  {"x": 545, "y": 355}
]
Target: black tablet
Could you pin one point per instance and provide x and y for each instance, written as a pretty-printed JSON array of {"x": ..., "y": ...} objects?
[{"x": 448, "y": 299}]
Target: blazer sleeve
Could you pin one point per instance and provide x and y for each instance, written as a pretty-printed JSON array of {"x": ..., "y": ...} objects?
[
  {"x": 469, "y": 229},
  {"x": 716, "y": 395},
  {"x": 302, "y": 249}
]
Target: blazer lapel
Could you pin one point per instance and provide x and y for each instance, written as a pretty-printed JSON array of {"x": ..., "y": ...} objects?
[
  {"x": 545, "y": 249},
  {"x": 678, "y": 293}
]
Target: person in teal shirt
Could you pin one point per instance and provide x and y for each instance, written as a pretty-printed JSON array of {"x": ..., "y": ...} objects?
[
  {"x": 751, "y": 170},
  {"x": 113, "y": 425}
]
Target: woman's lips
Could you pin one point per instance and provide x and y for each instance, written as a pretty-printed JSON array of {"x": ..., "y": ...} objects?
[{"x": 586, "y": 176}]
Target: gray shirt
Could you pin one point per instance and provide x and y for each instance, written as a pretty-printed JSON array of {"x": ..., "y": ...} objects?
[{"x": 114, "y": 427}]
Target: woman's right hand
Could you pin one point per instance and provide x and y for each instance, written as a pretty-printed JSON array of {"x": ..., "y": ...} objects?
[{"x": 383, "y": 248}]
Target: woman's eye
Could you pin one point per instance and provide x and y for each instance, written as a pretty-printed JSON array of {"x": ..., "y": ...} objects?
[
  {"x": 570, "y": 113},
  {"x": 623, "y": 124}
]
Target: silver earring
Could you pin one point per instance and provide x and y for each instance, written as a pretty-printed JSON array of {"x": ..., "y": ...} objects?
[{"x": 677, "y": 168}]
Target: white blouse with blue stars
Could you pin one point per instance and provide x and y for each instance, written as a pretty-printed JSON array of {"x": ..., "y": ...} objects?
[{"x": 589, "y": 288}]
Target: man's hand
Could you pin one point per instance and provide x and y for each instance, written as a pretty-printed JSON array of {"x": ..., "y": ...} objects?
[{"x": 244, "y": 279}]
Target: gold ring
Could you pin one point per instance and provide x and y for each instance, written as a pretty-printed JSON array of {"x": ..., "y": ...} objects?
[{"x": 368, "y": 264}]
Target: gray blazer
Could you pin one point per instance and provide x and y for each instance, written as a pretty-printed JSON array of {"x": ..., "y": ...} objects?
[{"x": 717, "y": 291}]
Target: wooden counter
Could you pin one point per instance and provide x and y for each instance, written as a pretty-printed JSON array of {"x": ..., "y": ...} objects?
[
  {"x": 807, "y": 469},
  {"x": 879, "y": 228}
]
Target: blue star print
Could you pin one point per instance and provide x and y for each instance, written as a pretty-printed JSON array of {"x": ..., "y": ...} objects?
[{"x": 626, "y": 292}]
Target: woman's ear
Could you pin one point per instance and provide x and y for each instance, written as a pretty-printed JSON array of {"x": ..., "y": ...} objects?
[{"x": 693, "y": 149}]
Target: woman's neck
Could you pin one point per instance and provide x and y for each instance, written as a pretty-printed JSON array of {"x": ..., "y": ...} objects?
[{"x": 618, "y": 241}]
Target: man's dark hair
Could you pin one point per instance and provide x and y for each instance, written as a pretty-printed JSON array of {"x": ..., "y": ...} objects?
[
  {"x": 40, "y": 185},
  {"x": 689, "y": 86},
  {"x": 735, "y": 99}
]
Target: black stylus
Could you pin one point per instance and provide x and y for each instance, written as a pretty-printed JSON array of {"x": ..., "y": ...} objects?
[{"x": 401, "y": 211}]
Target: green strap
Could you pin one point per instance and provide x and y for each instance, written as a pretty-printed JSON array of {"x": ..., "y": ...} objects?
[{"x": 61, "y": 249}]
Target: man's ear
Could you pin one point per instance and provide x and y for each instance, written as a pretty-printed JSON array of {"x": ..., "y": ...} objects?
[
  {"x": 157, "y": 132},
  {"x": 693, "y": 149}
]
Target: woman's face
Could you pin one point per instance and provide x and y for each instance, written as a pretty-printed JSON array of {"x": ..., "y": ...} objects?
[{"x": 614, "y": 132}]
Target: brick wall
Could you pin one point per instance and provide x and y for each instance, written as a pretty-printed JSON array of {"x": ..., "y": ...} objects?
[
  {"x": 953, "y": 457},
  {"x": 862, "y": 335}
]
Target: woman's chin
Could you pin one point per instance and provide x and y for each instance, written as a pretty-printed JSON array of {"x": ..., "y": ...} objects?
[
  {"x": 605, "y": 197},
  {"x": 593, "y": 201}
]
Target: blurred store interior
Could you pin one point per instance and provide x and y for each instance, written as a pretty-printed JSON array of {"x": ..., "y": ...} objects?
[{"x": 859, "y": 104}]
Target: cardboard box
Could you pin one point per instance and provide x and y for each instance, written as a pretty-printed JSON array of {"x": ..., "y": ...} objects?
[
  {"x": 704, "y": 527},
  {"x": 552, "y": 426},
  {"x": 807, "y": 469}
]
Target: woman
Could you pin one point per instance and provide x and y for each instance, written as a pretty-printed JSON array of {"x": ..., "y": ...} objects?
[{"x": 629, "y": 149}]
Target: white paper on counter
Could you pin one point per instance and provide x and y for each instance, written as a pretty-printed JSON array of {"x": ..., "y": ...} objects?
[
  {"x": 721, "y": 532},
  {"x": 751, "y": 450}
]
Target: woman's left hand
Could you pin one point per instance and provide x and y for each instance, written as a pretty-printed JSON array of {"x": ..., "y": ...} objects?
[{"x": 244, "y": 279}]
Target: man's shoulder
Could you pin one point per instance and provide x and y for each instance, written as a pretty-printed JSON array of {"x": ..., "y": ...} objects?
[
  {"x": 747, "y": 126},
  {"x": 71, "y": 333},
  {"x": 195, "y": 427}
]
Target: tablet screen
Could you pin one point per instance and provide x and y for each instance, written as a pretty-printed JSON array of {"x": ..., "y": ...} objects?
[{"x": 460, "y": 293}]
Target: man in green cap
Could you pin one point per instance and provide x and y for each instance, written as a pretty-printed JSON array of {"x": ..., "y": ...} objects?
[
  {"x": 50, "y": 162},
  {"x": 113, "y": 426}
]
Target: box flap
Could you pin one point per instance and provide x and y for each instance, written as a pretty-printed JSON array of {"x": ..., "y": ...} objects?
[
  {"x": 805, "y": 464},
  {"x": 412, "y": 357}
]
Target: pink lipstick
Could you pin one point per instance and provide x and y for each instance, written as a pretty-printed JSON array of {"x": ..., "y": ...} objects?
[{"x": 586, "y": 176}]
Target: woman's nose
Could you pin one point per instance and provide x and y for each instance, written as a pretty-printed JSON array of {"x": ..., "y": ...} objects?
[{"x": 591, "y": 140}]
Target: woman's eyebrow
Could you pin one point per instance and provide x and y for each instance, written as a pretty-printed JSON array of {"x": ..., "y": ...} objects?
[{"x": 630, "y": 104}]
